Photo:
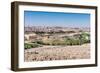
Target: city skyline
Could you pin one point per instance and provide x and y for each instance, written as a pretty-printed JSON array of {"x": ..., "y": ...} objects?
[{"x": 61, "y": 19}]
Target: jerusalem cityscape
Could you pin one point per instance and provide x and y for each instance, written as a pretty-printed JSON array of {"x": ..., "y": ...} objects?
[{"x": 48, "y": 42}]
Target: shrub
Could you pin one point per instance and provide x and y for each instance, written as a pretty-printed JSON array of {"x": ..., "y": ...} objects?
[
  {"x": 31, "y": 45},
  {"x": 83, "y": 38},
  {"x": 75, "y": 42},
  {"x": 27, "y": 46},
  {"x": 72, "y": 41}
]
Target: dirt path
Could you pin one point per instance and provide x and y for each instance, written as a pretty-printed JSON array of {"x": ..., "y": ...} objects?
[{"x": 57, "y": 53}]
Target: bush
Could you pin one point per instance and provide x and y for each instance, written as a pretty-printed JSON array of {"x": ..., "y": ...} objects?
[
  {"x": 31, "y": 45},
  {"x": 27, "y": 46},
  {"x": 75, "y": 42},
  {"x": 72, "y": 41},
  {"x": 83, "y": 38}
]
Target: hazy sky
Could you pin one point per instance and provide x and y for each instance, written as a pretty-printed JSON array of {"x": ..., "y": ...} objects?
[{"x": 37, "y": 18}]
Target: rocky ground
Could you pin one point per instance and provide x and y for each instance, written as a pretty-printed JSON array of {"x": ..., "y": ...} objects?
[{"x": 47, "y": 53}]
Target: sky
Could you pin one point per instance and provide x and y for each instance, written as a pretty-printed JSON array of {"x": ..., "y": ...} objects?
[{"x": 39, "y": 18}]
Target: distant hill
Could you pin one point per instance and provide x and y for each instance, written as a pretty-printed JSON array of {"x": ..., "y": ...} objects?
[{"x": 55, "y": 29}]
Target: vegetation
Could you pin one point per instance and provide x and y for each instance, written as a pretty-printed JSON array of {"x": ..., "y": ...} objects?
[
  {"x": 31, "y": 45},
  {"x": 74, "y": 40}
]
